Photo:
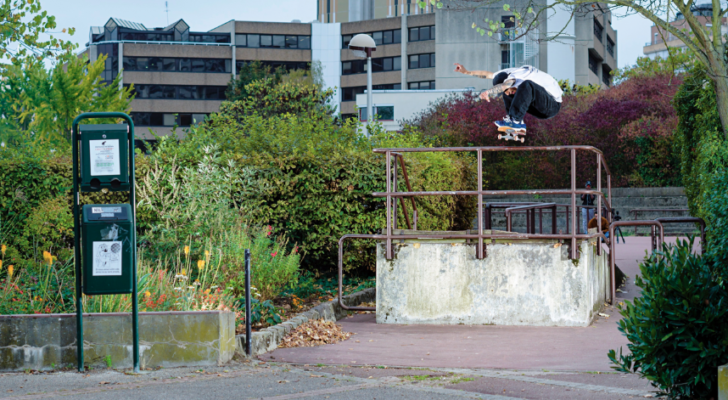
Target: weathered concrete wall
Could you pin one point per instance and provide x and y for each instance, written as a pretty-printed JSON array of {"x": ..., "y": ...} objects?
[
  {"x": 166, "y": 339},
  {"x": 723, "y": 382},
  {"x": 519, "y": 283}
]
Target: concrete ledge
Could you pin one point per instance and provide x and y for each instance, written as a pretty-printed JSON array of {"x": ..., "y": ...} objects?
[
  {"x": 723, "y": 382},
  {"x": 166, "y": 339},
  {"x": 268, "y": 339}
]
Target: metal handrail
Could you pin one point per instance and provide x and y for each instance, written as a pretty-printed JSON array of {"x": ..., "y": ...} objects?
[
  {"x": 532, "y": 208},
  {"x": 634, "y": 211},
  {"x": 665, "y": 220},
  {"x": 409, "y": 188},
  {"x": 392, "y": 193},
  {"x": 612, "y": 243},
  {"x": 163, "y": 42}
]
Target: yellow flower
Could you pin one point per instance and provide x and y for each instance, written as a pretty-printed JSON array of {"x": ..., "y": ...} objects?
[
  {"x": 147, "y": 294},
  {"x": 207, "y": 256},
  {"x": 207, "y": 291},
  {"x": 184, "y": 272},
  {"x": 200, "y": 264},
  {"x": 1, "y": 265},
  {"x": 46, "y": 255},
  {"x": 10, "y": 271},
  {"x": 187, "y": 250},
  {"x": 2, "y": 249}
]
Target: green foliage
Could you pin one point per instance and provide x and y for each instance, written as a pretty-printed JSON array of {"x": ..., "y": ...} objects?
[
  {"x": 273, "y": 267},
  {"x": 678, "y": 327},
  {"x": 267, "y": 98},
  {"x": 699, "y": 139},
  {"x": 23, "y": 22},
  {"x": 263, "y": 311},
  {"x": 39, "y": 105},
  {"x": 249, "y": 73},
  {"x": 677, "y": 61}
]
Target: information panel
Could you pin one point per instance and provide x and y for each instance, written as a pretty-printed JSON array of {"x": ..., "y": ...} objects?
[{"x": 104, "y": 157}]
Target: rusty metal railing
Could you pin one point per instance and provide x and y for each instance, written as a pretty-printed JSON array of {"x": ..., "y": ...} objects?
[
  {"x": 530, "y": 210},
  {"x": 640, "y": 210},
  {"x": 666, "y": 220},
  {"x": 392, "y": 193},
  {"x": 612, "y": 244}
]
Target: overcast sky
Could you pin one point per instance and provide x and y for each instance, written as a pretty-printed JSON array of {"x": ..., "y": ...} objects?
[{"x": 633, "y": 31}]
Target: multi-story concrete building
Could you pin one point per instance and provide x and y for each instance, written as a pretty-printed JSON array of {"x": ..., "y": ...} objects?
[
  {"x": 660, "y": 39},
  {"x": 180, "y": 75}
]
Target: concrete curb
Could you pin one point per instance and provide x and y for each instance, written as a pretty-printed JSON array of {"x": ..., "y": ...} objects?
[{"x": 268, "y": 339}]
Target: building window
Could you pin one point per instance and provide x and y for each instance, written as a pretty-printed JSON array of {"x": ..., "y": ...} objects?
[
  {"x": 378, "y": 65},
  {"x": 422, "y": 33},
  {"x": 349, "y": 93},
  {"x": 210, "y": 37},
  {"x": 610, "y": 46},
  {"x": 166, "y": 119},
  {"x": 380, "y": 37},
  {"x": 598, "y": 30},
  {"x": 168, "y": 64},
  {"x": 180, "y": 92},
  {"x": 383, "y": 113},
  {"x": 593, "y": 64},
  {"x": 285, "y": 65},
  {"x": 273, "y": 41},
  {"x": 424, "y": 85},
  {"x": 422, "y": 61},
  {"x": 111, "y": 65},
  {"x": 606, "y": 76}
]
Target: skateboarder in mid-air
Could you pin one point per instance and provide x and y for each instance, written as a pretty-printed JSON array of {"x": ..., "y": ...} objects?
[{"x": 525, "y": 90}]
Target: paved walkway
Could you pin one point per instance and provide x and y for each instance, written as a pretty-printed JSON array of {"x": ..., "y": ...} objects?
[
  {"x": 435, "y": 362},
  {"x": 458, "y": 346}
]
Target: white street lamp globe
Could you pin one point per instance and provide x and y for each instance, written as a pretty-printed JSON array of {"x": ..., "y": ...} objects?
[{"x": 362, "y": 45}]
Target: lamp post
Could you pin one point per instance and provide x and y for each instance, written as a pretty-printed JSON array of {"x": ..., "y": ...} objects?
[{"x": 362, "y": 46}]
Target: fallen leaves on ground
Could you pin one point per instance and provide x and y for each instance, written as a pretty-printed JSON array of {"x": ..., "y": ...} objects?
[
  {"x": 314, "y": 333},
  {"x": 370, "y": 304}
]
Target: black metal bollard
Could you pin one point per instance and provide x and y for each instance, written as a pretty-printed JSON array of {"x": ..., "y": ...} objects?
[{"x": 248, "y": 305}]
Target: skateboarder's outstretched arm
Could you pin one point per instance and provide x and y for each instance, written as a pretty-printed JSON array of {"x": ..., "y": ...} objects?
[{"x": 479, "y": 74}]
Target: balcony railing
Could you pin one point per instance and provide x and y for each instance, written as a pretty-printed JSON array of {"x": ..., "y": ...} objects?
[
  {"x": 507, "y": 35},
  {"x": 593, "y": 66}
]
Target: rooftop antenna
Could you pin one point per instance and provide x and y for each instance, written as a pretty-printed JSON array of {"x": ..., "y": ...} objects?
[{"x": 166, "y": 9}]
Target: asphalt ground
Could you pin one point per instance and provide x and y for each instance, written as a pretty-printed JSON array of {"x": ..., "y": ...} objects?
[{"x": 390, "y": 362}]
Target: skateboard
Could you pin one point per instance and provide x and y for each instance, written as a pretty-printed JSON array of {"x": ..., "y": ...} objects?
[{"x": 512, "y": 134}]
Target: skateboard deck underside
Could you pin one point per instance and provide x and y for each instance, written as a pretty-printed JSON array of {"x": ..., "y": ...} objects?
[{"x": 512, "y": 134}]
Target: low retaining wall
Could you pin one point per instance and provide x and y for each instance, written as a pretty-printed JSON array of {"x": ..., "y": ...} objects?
[
  {"x": 519, "y": 282},
  {"x": 268, "y": 339},
  {"x": 723, "y": 382},
  {"x": 166, "y": 339}
]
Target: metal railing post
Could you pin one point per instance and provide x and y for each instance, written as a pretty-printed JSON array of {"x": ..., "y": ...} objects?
[
  {"x": 390, "y": 253},
  {"x": 599, "y": 201},
  {"x": 573, "y": 205},
  {"x": 394, "y": 189},
  {"x": 479, "y": 250}
]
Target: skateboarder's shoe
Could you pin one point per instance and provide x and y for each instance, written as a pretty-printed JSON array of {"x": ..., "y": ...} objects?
[{"x": 508, "y": 124}]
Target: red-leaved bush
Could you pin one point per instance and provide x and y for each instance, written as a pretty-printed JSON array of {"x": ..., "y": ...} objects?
[{"x": 631, "y": 123}]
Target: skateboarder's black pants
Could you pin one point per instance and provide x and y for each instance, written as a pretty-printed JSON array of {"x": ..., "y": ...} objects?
[{"x": 531, "y": 98}]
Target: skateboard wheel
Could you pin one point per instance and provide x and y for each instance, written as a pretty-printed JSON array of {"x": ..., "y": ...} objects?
[{"x": 500, "y": 137}]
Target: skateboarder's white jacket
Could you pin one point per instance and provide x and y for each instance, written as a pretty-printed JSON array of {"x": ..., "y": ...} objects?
[{"x": 529, "y": 73}]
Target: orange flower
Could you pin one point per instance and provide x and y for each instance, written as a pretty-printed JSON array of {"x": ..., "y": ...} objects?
[
  {"x": 183, "y": 272},
  {"x": 147, "y": 294},
  {"x": 2, "y": 249},
  {"x": 10, "y": 271}
]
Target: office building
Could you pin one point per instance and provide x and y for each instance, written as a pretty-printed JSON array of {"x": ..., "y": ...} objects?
[
  {"x": 660, "y": 39},
  {"x": 180, "y": 75}
]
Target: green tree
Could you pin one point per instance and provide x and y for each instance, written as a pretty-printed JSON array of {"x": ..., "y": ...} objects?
[
  {"x": 250, "y": 72},
  {"x": 705, "y": 41},
  {"x": 39, "y": 105},
  {"x": 22, "y": 25}
]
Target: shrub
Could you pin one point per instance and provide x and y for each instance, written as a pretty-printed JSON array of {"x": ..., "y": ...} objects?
[
  {"x": 678, "y": 327},
  {"x": 699, "y": 139},
  {"x": 632, "y": 123}
]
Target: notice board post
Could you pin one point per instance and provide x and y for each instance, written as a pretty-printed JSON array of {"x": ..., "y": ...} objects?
[{"x": 105, "y": 238}]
